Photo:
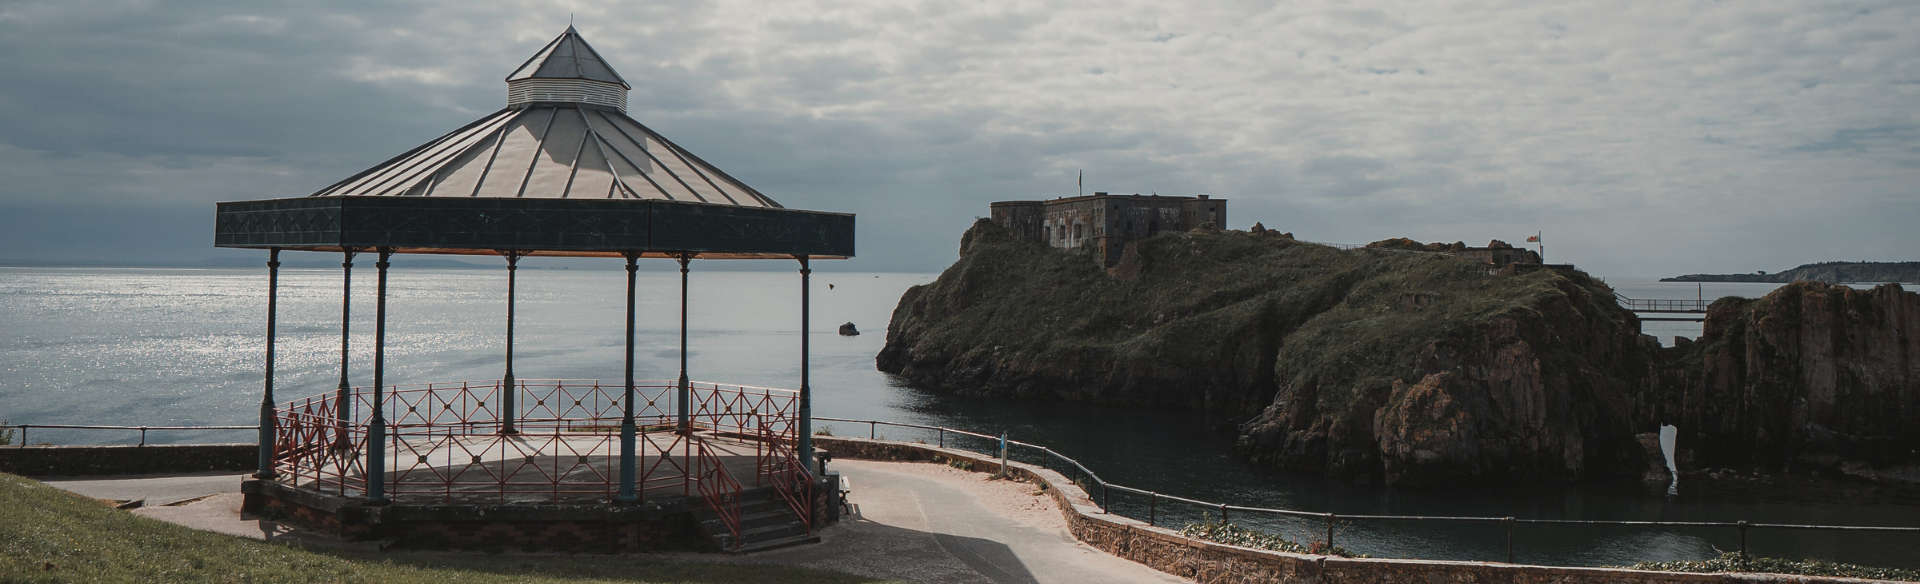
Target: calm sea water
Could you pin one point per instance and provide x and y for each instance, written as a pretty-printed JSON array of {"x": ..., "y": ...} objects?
[{"x": 184, "y": 346}]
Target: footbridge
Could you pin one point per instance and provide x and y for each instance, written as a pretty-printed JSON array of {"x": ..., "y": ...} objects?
[{"x": 1665, "y": 310}]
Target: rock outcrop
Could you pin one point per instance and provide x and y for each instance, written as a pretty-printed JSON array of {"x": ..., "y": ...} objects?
[
  {"x": 1807, "y": 378},
  {"x": 1412, "y": 368}
]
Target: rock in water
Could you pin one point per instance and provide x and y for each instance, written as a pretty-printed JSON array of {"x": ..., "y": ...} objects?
[{"x": 847, "y": 330}]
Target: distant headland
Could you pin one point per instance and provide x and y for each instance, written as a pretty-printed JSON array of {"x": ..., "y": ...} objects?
[{"x": 1829, "y": 272}]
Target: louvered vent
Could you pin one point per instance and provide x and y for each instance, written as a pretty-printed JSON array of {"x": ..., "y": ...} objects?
[{"x": 568, "y": 90}]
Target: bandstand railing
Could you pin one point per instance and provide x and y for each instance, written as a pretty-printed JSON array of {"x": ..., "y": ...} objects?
[{"x": 445, "y": 441}]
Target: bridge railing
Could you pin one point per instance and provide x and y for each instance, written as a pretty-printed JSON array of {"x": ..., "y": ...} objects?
[
  {"x": 1159, "y": 507},
  {"x": 1662, "y": 305}
]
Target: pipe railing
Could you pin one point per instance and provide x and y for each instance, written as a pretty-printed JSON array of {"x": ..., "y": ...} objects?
[
  {"x": 22, "y": 439},
  {"x": 1331, "y": 519}
]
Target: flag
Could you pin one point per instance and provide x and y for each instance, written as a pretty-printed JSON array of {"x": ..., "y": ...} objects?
[{"x": 1533, "y": 239}]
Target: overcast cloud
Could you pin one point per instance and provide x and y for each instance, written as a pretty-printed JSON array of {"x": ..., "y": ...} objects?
[{"x": 1644, "y": 138}]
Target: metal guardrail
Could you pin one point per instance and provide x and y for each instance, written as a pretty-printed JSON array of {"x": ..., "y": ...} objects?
[
  {"x": 1662, "y": 305},
  {"x": 1330, "y": 519},
  {"x": 22, "y": 441}
]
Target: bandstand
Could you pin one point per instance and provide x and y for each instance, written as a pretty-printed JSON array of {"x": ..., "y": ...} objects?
[{"x": 545, "y": 464}]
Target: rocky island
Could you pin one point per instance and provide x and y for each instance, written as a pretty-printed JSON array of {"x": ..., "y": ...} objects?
[{"x": 1416, "y": 368}]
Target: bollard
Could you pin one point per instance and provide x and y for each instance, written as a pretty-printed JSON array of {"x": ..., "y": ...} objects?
[
  {"x": 1329, "y": 532},
  {"x": 943, "y": 437},
  {"x": 1223, "y": 513},
  {"x": 1509, "y": 521},
  {"x": 143, "y": 435},
  {"x": 1153, "y": 504},
  {"x": 1105, "y": 503},
  {"x": 872, "y": 429},
  {"x": 1743, "y": 540}
]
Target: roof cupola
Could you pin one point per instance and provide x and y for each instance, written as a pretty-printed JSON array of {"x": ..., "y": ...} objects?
[{"x": 567, "y": 70}]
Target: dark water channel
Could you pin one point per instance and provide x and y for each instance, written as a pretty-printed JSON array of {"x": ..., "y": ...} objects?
[{"x": 183, "y": 347}]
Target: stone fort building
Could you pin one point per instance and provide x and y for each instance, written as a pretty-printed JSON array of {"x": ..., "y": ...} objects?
[{"x": 1105, "y": 223}]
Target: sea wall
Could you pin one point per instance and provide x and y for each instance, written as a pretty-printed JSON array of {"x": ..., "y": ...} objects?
[
  {"x": 49, "y": 461},
  {"x": 1212, "y": 563}
]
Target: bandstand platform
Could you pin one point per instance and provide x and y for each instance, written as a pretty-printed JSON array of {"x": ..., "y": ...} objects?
[{"x": 542, "y": 464}]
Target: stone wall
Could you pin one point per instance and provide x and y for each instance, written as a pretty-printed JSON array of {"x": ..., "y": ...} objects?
[
  {"x": 1212, "y": 563},
  {"x": 51, "y": 461},
  {"x": 648, "y": 526}
]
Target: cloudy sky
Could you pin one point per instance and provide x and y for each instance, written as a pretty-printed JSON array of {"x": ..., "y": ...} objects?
[{"x": 1644, "y": 138}]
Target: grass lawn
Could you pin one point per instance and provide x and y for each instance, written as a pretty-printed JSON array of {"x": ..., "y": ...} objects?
[{"x": 49, "y": 535}]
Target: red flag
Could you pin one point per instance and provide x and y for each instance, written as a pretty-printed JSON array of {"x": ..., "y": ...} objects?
[{"x": 1533, "y": 238}]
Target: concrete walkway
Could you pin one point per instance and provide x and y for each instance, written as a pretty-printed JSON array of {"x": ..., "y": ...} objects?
[
  {"x": 917, "y": 522},
  {"x": 924, "y": 522}
]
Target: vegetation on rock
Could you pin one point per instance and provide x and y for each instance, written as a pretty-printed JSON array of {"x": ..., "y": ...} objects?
[{"x": 1734, "y": 562}]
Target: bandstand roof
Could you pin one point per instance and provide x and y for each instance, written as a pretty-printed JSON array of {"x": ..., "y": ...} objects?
[{"x": 562, "y": 170}]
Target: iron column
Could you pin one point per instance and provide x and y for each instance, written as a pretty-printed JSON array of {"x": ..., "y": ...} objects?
[
  {"x": 342, "y": 403},
  {"x": 686, "y": 423},
  {"x": 266, "y": 396},
  {"x": 377, "y": 429},
  {"x": 627, "y": 430},
  {"x": 507, "y": 386},
  {"x": 805, "y": 451}
]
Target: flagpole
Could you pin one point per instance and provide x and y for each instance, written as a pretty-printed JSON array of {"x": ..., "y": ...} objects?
[{"x": 1541, "y": 242}]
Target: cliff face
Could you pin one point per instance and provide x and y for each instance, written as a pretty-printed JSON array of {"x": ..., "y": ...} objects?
[
  {"x": 1805, "y": 378},
  {"x": 1425, "y": 380}
]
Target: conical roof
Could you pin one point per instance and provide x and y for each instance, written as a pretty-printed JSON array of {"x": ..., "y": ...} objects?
[
  {"x": 554, "y": 149},
  {"x": 568, "y": 57}
]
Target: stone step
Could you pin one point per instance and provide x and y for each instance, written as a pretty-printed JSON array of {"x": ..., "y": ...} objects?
[
  {"x": 772, "y": 532},
  {"x": 774, "y": 544}
]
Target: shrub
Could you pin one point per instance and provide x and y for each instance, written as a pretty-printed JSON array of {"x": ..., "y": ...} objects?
[
  {"x": 1230, "y": 534},
  {"x": 1734, "y": 562}
]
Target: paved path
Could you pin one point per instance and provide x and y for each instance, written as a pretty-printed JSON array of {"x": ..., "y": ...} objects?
[
  {"x": 917, "y": 522},
  {"x": 928, "y": 523},
  {"x": 157, "y": 490}
]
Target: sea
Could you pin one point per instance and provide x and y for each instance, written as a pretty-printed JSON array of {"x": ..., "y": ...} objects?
[{"x": 180, "y": 346}]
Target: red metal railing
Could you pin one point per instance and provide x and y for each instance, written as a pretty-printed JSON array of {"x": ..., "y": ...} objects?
[
  {"x": 789, "y": 477},
  {"x": 444, "y": 441},
  {"x": 720, "y": 490}
]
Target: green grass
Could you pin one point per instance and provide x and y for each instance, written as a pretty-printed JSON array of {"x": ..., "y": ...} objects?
[
  {"x": 1732, "y": 562},
  {"x": 48, "y": 535}
]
